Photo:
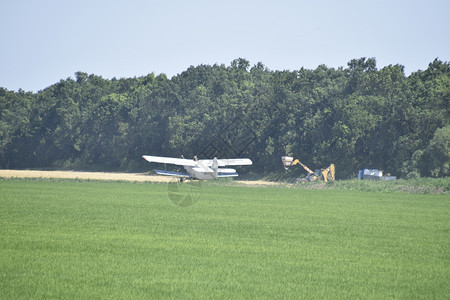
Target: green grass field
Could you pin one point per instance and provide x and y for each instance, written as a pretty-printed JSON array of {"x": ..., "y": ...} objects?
[{"x": 93, "y": 240}]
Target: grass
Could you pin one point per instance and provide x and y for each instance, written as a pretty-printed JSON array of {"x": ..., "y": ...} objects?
[
  {"x": 73, "y": 239},
  {"x": 414, "y": 186}
]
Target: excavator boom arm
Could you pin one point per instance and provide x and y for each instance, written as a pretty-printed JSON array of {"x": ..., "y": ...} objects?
[{"x": 304, "y": 167}]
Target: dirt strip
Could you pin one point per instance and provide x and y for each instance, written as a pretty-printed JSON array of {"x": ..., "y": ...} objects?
[
  {"x": 83, "y": 175},
  {"x": 140, "y": 177}
]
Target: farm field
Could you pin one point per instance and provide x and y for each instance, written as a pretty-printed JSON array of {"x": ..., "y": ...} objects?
[{"x": 80, "y": 239}]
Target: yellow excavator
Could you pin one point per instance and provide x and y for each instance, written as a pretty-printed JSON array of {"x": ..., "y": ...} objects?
[{"x": 325, "y": 175}]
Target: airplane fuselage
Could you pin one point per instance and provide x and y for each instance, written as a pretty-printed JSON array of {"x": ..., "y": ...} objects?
[
  {"x": 208, "y": 173},
  {"x": 202, "y": 169}
]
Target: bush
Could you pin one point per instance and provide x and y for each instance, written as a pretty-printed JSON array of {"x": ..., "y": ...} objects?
[{"x": 434, "y": 160}]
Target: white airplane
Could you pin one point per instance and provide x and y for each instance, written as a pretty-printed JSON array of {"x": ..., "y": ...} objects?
[{"x": 199, "y": 168}]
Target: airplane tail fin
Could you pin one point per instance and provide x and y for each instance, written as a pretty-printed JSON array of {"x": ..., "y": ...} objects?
[{"x": 215, "y": 167}]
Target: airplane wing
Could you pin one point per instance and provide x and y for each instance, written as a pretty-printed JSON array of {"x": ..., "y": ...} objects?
[
  {"x": 228, "y": 162},
  {"x": 234, "y": 162},
  {"x": 170, "y": 160},
  {"x": 172, "y": 173}
]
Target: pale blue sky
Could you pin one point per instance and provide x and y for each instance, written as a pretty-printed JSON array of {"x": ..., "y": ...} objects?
[{"x": 45, "y": 41}]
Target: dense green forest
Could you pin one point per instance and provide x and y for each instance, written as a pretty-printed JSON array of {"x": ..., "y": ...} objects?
[{"x": 355, "y": 117}]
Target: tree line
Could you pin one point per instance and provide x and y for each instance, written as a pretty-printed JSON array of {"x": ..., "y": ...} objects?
[{"x": 355, "y": 117}]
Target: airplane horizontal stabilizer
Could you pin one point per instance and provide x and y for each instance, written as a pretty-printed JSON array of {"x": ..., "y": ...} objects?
[
  {"x": 172, "y": 173},
  {"x": 221, "y": 175}
]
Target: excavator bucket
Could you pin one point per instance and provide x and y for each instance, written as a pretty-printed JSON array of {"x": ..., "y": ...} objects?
[
  {"x": 332, "y": 171},
  {"x": 328, "y": 173},
  {"x": 287, "y": 161}
]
